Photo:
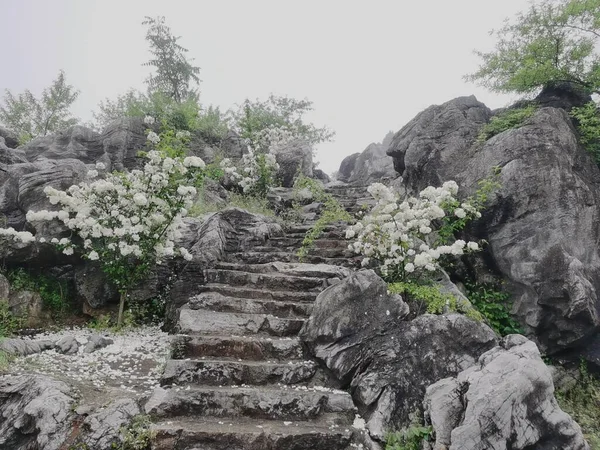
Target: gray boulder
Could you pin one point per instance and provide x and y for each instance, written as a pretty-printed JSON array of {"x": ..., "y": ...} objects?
[
  {"x": 10, "y": 137},
  {"x": 363, "y": 336},
  {"x": 92, "y": 286},
  {"x": 24, "y": 347},
  {"x": 372, "y": 165},
  {"x": 96, "y": 342},
  {"x": 121, "y": 142},
  {"x": 10, "y": 155},
  {"x": 505, "y": 401},
  {"x": 76, "y": 142},
  {"x": 35, "y": 412},
  {"x": 233, "y": 146},
  {"x": 67, "y": 345},
  {"x": 29, "y": 306},
  {"x": 347, "y": 167},
  {"x": 543, "y": 224},
  {"x": 102, "y": 427},
  {"x": 296, "y": 157}
]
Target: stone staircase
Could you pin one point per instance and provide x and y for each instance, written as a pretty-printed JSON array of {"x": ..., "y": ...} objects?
[{"x": 240, "y": 378}]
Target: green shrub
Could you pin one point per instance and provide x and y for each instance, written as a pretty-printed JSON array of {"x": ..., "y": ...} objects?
[
  {"x": 9, "y": 324},
  {"x": 136, "y": 436},
  {"x": 256, "y": 205},
  {"x": 332, "y": 212},
  {"x": 492, "y": 303},
  {"x": 433, "y": 299},
  {"x": 582, "y": 403},
  {"x": 212, "y": 125},
  {"x": 587, "y": 120},
  {"x": 54, "y": 293},
  {"x": 512, "y": 118},
  {"x": 409, "y": 439}
]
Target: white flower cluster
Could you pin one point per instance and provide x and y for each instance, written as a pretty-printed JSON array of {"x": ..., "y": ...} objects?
[
  {"x": 19, "y": 236},
  {"x": 149, "y": 120},
  {"x": 258, "y": 161},
  {"x": 128, "y": 213},
  {"x": 399, "y": 234},
  {"x": 153, "y": 137}
]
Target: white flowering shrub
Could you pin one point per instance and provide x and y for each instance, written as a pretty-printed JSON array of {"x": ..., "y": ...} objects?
[
  {"x": 127, "y": 221},
  {"x": 257, "y": 169},
  {"x": 406, "y": 238}
]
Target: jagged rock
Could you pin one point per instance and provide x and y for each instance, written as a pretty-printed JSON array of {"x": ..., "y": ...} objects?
[
  {"x": 92, "y": 286},
  {"x": 121, "y": 142},
  {"x": 505, "y": 401},
  {"x": 233, "y": 146},
  {"x": 76, "y": 142},
  {"x": 296, "y": 157},
  {"x": 67, "y": 345},
  {"x": 347, "y": 167},
  {"x": 542, "y": 225},
  {"x": 95, "y": 342},
  {"x": 372, "y": 165},
  {"x": 29, "y": 306},
  {"x": 4, "y": 288},
  {"x": 102, "y": 429},
  {"x": 358, "y": 330},
  {"x": 36, "y": 412},
  {"x": 10, "y": 155},
  {"x": 24, "y": 347},
  {"x": 563, "y": 95},
  {"x": 318, "y": 174},
  {"x": 10, "y": 137}
]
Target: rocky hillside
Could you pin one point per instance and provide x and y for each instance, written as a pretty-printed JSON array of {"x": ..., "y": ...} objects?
[{"x": 272, "y": 352}]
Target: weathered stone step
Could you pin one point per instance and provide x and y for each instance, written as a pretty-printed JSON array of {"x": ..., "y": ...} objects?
[
  {"x": 266, "y": 257},
  {"x": 297, "y": 242},
  {"x": 336, "y": 234},
  {"x": 264, "y": 281},
  {"x": 303, "y": 228},
  {"x": 250, "y": 348},
  {"x": 226, "y": 372},
  {"x": 213, "y": 301},
  {"x": 244, "y": 292},
  {"x": 218, "y": 434},
  {"x": 280, "y": 403},
  {"x": 314, "y": 270},
  {"x": 341, "y": 252},
  {"x": 211, "y": 322}
]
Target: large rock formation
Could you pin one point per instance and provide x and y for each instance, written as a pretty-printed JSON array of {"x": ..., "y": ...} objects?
[
  {"x": 543, "y": 224},
  {"x": 370, "y": 166},
  {"x": 361, "y": 333},
  {"x": 296, "y": 157},
  {"x": 505, "y": 401}
]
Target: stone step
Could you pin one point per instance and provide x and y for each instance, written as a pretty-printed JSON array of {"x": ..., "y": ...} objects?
[
  {"x": 264, "y": 281},
  {"x": 336, "y": 234},
  {"x": 315, "y": 270},
  {"x": 245, "y": 292},
  {"x": 214, "y": 301},
  {"x": 210, "y": 322},
  {"x": 303, "y": 228},
  {"x": 249, "y": 348},
  {"x": 272, "y": 403},
  {"x": 266, "y": 257},
  {"x": 217, "y": 372},
  {"x": 297, "y": 242},
  {"x": 218, "y": 434},
  {"x": 341, "y": 252}
]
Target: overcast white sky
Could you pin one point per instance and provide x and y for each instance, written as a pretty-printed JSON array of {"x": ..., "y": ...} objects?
[{"x": 368, "y": 66}]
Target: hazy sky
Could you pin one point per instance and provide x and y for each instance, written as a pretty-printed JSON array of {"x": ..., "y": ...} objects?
[{"x": 368, "y": 66}]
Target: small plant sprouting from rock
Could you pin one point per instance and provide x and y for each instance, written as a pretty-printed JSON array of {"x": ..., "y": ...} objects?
[
  {"x": 492, "y": 303},
  {"x": 137, "y": 436},
  {"x": 512, "y": 118},
  {"x": 433, "y": 299},
  {"x": 587, "y": 120},
  {"x": 409, "y": 439},
  {"x": 582, "y": 402}
]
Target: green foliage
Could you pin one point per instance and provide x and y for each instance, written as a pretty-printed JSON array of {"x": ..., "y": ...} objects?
[
  {"x": 582, "y": 403},
  {"x": 212, "y": 125},
  {"x": 31, "y": 117},
  {"x": 5, "y": 360},
  {"x": 511, "y": 118},
  {"x": 137, "y": 436},
  {"x": 554, "y": 41},
  {"x": 492, "y": 303},
  {"x": 9, "y": 324},
  {"x": 174, "y": 74},
  {"x": 409, "y": 439},
  {"x": 252, "y": 117},
  {"x": 332, "y": 212},
  {"x": 54, "y": 293},
  {"x": 587, "y": 120},
  {"x": 256, "y": 205},
  {"x": 434, "y": 300},
  {"x": 131, "y": 104}
]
